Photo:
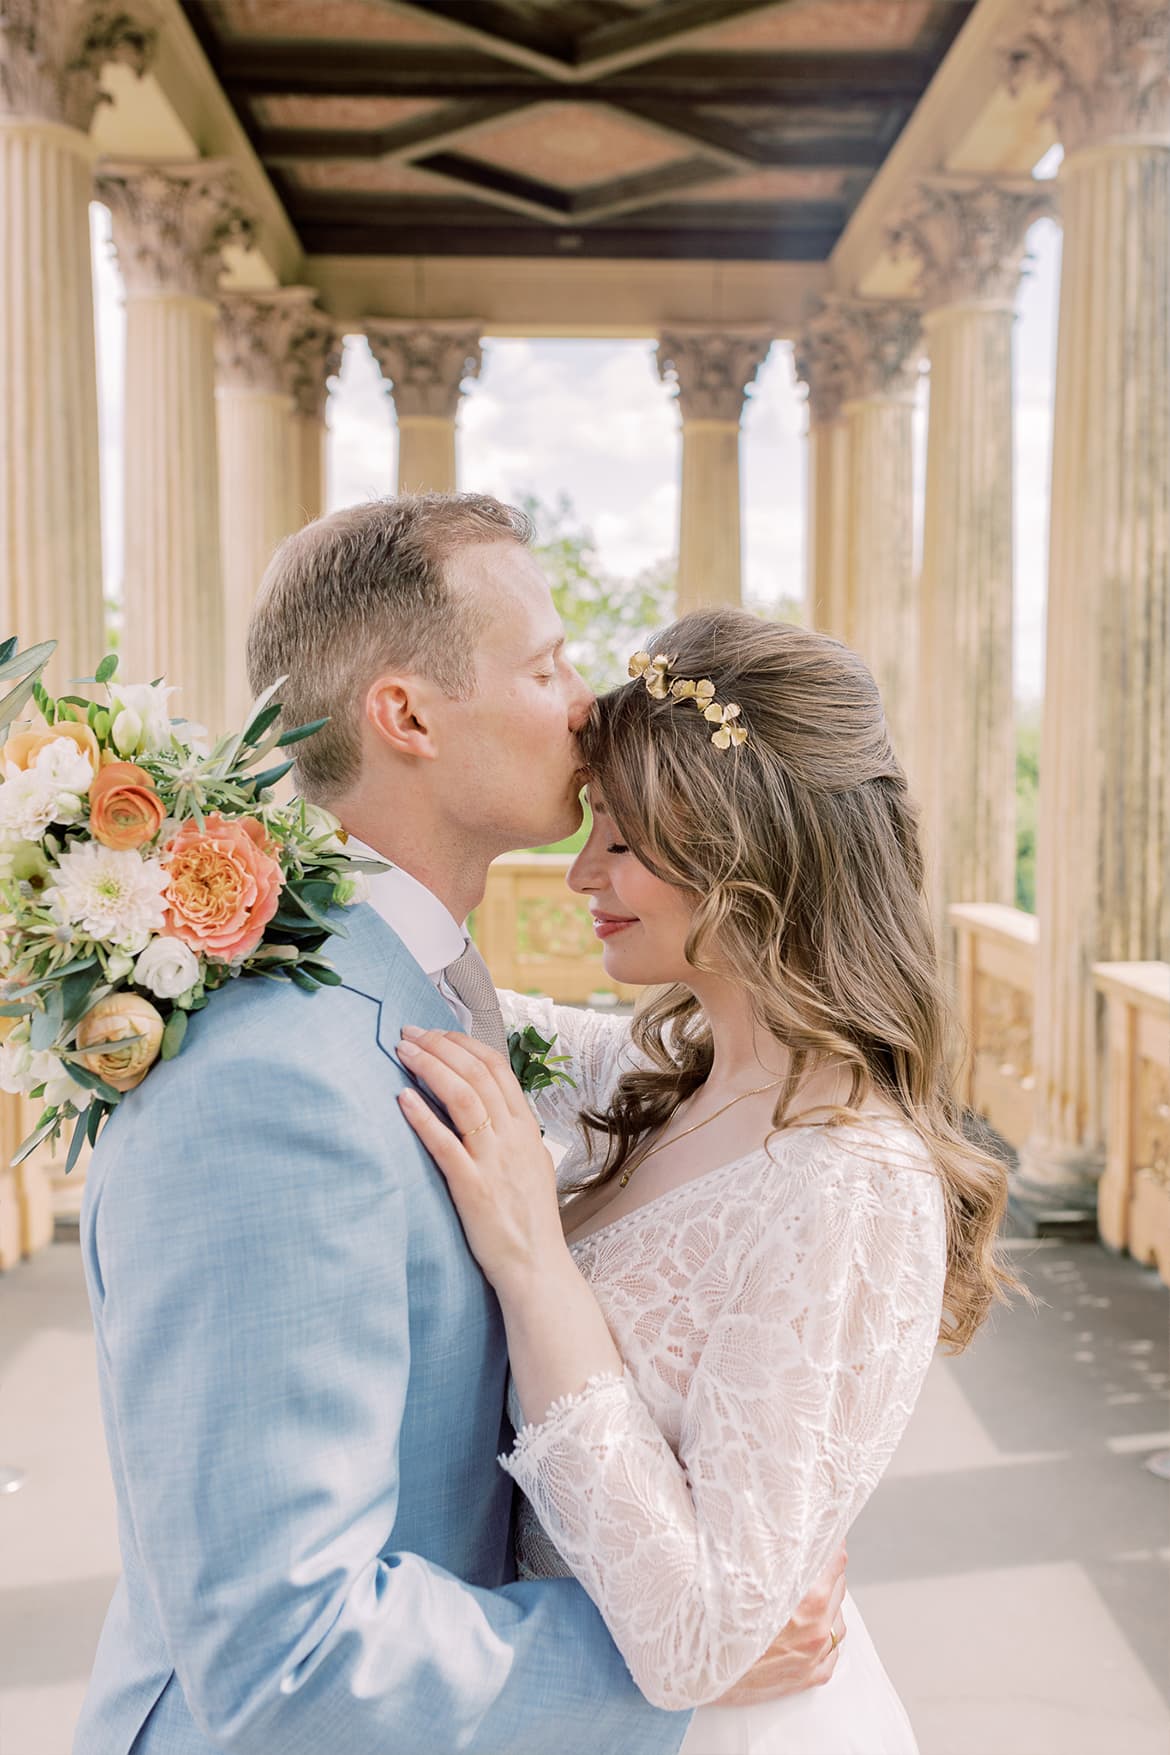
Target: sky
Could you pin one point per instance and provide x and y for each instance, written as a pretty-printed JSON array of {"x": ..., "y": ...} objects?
[{"x": 591, "y": 420}]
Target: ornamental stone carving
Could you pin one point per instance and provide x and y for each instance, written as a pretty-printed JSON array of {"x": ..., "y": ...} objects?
[
  {"x": 1110, "y": 61},
  {"x": 714, "y": 369},
  {"x": 876, "y": 345},
  {"x": 257, "y": 335},
  {"x": 171, "y": 223},
  {"x": 52, "y": 53},
  {"x": 314, "y": 356},
  {"x": 968, "y": 235},
  {"x": 821, "y": 361},
  {"x": 426, "y": 364}
]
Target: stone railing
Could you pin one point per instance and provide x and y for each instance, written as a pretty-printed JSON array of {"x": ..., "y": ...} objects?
[
  {"x": 536, "y": 936},
  {"x": 1133, "y": 1203},
  {"x": 996, "y": 974}
]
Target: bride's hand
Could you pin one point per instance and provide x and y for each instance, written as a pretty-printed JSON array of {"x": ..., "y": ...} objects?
[{"x": 497, "y": 1167}]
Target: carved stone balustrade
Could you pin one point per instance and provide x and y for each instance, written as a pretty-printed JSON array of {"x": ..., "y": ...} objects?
[
  {"x": 536, "y": 935},
  {"x": 1133, "y": 1197},
  {"x": 996, "y": 979}
]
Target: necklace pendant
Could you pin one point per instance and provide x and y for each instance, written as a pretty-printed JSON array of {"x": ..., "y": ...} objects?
[{"x": 623, "y": 1179}]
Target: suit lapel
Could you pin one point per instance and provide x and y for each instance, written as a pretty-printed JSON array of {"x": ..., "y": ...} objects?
[{"x": 374, "y": 962}]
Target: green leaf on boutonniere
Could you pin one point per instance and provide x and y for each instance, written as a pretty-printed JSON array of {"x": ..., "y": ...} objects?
[{"x": 533, "y": 1062}]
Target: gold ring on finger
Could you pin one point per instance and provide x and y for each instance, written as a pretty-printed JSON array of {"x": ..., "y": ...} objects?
[
  {"x": 833, "y": 1641},
  {"x": 486, "y": 1122}
]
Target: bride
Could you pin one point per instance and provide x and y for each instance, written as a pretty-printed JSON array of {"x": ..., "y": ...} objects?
[{"x": 721, "y": 1312}]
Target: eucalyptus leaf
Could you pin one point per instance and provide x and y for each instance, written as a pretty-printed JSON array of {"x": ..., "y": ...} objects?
[
  {"x": 28, "y": 663},
  {"x": 46, "y": 1025},
  {"x": 310, "y": 908},
  {"x": 262, "y": 722},
  {"x": 270, "y": 776},
  {"x": 95, "y": 1115},
  {"x": 303, "y": 980},
  {"x": 106, "y": 668},
  {"x": 91, "y": 1082},
  {"x": 79, "y": 1132},
  {"x": 29, "y": 1146},
  {"x": 173, "y": 1034}
]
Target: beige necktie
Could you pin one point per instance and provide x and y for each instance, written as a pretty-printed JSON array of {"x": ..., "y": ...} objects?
[{"x": 471, "y": 979}]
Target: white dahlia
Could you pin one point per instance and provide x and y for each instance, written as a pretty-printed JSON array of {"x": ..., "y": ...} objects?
[
  {"x": 28, "y": 804},
  {"x": 113, "y": 895}
]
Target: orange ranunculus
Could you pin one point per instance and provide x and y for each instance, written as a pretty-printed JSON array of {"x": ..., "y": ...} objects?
[
  {"x": 124, "y": 808},
  {"x": 23, "y": 747},
  {"x": 112, "y": 1018},
  {"x": 224, "y": 886}
]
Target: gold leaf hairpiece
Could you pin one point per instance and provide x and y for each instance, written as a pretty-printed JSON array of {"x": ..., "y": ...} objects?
[{"x": 653, "y": 672}]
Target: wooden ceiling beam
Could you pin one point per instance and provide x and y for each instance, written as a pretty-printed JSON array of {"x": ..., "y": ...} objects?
[
  {"x": 264, "y": 68},
  {"x": 396, "y": 144}
]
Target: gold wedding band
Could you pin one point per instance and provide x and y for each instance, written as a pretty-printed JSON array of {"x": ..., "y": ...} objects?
[
  {"x": 834, "y": 1642},
  {"x": 486, "y": 1122}
]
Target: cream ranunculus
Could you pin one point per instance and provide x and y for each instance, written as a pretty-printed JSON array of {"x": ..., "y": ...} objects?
[
  {"x": 116, "y": 1016},
  {"x": 167, "y": 968}
]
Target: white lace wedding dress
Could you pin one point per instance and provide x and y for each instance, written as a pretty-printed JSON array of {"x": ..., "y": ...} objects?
[{"x": 776, "y": 1317}]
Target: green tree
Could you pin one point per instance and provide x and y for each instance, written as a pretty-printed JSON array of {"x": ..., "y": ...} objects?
[
  {"x": 606, "y": 618},
  {"x": 1027, "y": 793}
]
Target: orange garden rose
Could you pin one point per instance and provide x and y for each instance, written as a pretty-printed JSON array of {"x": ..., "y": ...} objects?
[
  {"x": 224, "y": 886},
  {"x": 125, "y": 811},
  {"x": 115, "y": 1016},
  {"x": 23, "y": 747}
]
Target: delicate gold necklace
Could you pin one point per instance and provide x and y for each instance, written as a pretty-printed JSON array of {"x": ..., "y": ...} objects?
[{"x": 674, "y": 1138}]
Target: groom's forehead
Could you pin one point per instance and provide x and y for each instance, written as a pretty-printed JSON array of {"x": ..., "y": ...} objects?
[{"x": 511, "y": 587}]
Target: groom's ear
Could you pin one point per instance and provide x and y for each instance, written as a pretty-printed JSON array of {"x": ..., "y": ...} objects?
[{"x": 398, "y": 711}]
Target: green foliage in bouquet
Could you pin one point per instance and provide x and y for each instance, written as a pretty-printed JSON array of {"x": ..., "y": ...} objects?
[
  {"x": 534, "y": 1063},
  {"x": 140, "y": 871}
]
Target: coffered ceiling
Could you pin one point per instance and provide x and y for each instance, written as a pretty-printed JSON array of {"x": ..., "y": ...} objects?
[{"x": 712, "y": 129}]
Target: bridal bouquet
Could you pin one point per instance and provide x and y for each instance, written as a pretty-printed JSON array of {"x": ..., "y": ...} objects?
[{"x": 140, "y": 871}]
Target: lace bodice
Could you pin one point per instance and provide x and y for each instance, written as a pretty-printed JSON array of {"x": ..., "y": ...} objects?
[{"x": 776, "y": 1317}]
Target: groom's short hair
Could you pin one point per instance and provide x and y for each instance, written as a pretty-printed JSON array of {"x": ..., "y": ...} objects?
[{"x": 357, "y": 592}]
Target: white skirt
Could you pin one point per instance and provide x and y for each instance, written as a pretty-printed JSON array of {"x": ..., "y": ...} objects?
[{"x": 857, "y": 1712}]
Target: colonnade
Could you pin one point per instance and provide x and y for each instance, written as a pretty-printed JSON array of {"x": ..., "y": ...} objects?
[{"x": 224, "y": 454}]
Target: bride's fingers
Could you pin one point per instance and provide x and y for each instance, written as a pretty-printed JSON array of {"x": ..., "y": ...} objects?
[
  {"x": 497, "y": 1066},
  {"x": 445, "y": 1147},
  {"x": 462, "y": 1084}
]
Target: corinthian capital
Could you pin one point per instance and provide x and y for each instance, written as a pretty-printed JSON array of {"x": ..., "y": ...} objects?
[
  {"x": 256, "y": 336},
  {"x": 52, "y": 53},
  {"x": 877, "y": 345},
  {"x": 171, "y": 223},
  {"x": 314, "y": 356},
  {"x": 713, "y": 369},
  {"x": 968, "y": 235},
  {"x": 425, "y": 363},
  {"x": 1109, "y": 61},
  {"x": 821, "y": 359}
]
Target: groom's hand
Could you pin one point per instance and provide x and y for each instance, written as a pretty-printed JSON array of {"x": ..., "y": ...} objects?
[{"x": 804, "y": 1654}]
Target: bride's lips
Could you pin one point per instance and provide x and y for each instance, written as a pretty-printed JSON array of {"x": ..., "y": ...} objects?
[{"x": 605, "y": 925}]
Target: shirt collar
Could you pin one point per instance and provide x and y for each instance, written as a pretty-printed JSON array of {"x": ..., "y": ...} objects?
[{"x": 429, "y": 931}]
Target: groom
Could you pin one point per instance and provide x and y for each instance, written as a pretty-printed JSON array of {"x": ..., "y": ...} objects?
[{"x": 302, "y": 1370}]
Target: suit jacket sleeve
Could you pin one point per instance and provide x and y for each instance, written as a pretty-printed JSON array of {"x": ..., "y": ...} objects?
[{"x": 249, "y": 1262}]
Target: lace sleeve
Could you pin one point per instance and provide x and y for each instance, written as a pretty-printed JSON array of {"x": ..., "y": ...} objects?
[
  {"x": 821, "y": 1331},
  {"x": 598, "y": 1046}
]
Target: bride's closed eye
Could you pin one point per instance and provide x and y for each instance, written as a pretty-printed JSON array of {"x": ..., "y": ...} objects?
[{"x": 617, "y": 847}]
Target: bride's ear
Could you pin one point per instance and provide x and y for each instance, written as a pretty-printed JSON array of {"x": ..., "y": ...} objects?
[{"x": 398, "y": 709}]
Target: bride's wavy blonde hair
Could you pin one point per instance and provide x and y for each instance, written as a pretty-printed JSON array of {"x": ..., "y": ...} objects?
[{"x": 801, "y": 849}]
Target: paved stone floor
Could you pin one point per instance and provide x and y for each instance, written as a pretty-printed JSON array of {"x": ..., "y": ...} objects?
[{"x": 1012, "y": 1565}]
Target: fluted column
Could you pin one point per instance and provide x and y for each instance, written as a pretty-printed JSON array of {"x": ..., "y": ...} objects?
[
  {"x": 713, "y": 369},
  {"x": 258, "y": 496},
  {"x": 171, "y": 223},
  {"x": 425, "y": 366},
  {"x": 1104, "y": 829},
  {"x": 878, "y": 348},
  {"x": 967, "y": 236},
  {"x": 820, "y": 365},
  {"x": 51, "y": 56},
  {"x": 315, "y": 357}
]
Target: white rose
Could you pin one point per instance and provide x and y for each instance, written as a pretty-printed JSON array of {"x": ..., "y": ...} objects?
[
  {"x": 167, "y": 968},
  {"x": 60, "y": 1087},
  {"x": 324, "y": 826},
  {"x": 65, "y": 766},
  {"x": 15, "y": 1061},
  {"x": 149, "y": 702},
  {"x": 126, "y": 732},
  {"x": 28, "y": 804}
]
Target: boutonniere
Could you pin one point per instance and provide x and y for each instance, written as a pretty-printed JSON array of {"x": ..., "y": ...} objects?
[{"x": 534, "y": 1063}]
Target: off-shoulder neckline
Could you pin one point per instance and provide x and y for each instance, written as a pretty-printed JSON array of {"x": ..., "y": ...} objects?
[{"x": 897, "y": 1122}]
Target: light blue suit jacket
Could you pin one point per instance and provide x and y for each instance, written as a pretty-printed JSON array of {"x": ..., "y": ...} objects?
[{"x": 302, "y": 1375}]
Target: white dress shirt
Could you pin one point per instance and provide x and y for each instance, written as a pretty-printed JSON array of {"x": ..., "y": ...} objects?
[{"x": 430, "y": 933}]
